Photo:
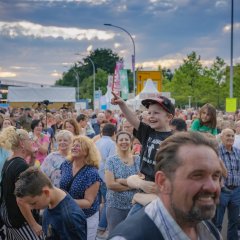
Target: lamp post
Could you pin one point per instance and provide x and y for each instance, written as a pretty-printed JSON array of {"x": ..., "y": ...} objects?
[
  {"x": 94, "y": 76},
  {"x": 77, "y": 77},
  {"x": 231, "y": 57},
  {"x": 133, "y": 56}
]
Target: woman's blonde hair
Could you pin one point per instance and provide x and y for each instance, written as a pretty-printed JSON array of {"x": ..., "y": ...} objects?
[
  {"x": 64, "y": 134},
  {"x": 87, "y": 145},
  {"x": 10, "y": 137}
]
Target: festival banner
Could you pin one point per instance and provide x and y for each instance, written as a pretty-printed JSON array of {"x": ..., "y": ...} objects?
[
  {"x": 124, "y": 84},
  {"x": 231, "y": 105},
  {"x": 116, "y": 85}
]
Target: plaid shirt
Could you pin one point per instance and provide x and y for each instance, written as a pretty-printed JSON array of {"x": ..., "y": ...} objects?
[{"x": 232, "y": 163}]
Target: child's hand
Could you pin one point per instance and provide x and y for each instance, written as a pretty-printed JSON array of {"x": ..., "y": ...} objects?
[
  {"x": 37, "y": 229},
  {"x": 116, "y": 100}
]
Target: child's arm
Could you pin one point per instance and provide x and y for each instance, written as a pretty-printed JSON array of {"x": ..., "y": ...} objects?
[
  {"x": 130, "y": 116},
  {"x": 26, "y": 212},
  {"x": 136, "y": 182},
  {"x": 143, "y": 198}
]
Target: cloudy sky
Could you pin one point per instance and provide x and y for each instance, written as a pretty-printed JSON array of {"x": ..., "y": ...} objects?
[{"x": 39, "y": 39}]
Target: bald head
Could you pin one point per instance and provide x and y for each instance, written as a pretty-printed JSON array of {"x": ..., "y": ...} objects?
[
  {"x": 227, "y": 137},
  {"x": 101, "y": 117}
]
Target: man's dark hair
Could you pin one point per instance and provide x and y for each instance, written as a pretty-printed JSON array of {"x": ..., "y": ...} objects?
[
  {"x": 81, "y": 117},
  {"x": 109, "y": 130},
  {"x": 167, "y": 159},
  {"x": 31, "y": 183},
  {"x": 179, "y": 123}
]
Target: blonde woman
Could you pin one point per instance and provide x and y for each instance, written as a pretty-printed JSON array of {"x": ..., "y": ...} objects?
[
  {"x": 79, "y": 177},
  {"x": 52, "y": 163},
  {"x": 16, "y": 216}
]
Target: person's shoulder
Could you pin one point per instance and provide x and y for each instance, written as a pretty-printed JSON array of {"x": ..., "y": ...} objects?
[
  {"x": 236, "y": 150},
  {"x": 66, "y": 163},
  {"x": 112, "y": 158},
  {"x": 91, "y": 169}
]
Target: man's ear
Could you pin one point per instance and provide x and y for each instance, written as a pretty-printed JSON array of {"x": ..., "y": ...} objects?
[
  {"x": 163, "y": 182},
  {"x": 46, "y": 191}
]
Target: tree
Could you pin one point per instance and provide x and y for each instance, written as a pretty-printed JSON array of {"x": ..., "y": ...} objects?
[
  {"x": 187, "y": 80},
  {"x": 86, "y": 88},
  {"x": 217, "y": 73},
  {"x": 104, "y": 59}
]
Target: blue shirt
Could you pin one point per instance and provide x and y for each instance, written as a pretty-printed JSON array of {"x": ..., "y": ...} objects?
[
  {"x": 66, "y": 221},
  {"x": 107, "y": 148},
  {"x": 84, "y": 179},
  {"x": 4, "y": 154},
  {"x": 121, "y": 200},
  {"x": 232, "y": 163}
]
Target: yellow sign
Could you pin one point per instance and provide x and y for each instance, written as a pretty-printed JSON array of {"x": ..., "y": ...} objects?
[
  {"x": 142, "y": 77},
  {"x": 231, "y": 104}
]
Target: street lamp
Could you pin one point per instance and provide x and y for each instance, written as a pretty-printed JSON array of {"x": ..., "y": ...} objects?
[
  {"x": 78, "y": 79},
  {"x": 231, "y": 52},
  {"x": 94, "y": 76},
  {"x": 133, "y": 56}
]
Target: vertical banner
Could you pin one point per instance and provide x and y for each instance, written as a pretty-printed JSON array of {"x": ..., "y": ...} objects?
[
  {"x": 116, "y": 85},
  {"x": 97, "y": 97},
  {"x": 231, "y": 105},
  {"x": 103, "y": 101},
  {"x": 110, "y": 81},
  {"x": 124, "y": 83}
]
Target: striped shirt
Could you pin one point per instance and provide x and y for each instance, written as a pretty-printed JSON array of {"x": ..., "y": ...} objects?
[{"x": 231, "y": 160}]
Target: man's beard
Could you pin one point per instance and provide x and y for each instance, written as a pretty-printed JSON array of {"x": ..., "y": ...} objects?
[{"x": 198, "y": 212}]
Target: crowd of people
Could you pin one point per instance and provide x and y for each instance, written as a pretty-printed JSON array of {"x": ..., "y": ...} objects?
[{"x": 156, "y": 173}]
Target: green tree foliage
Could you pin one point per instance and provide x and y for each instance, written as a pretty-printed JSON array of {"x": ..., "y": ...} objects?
[
  {"x": 104, "y": 59},
  {"x": 86, "y": 88},
  {"x": 203, "y": 84},
  {"x": 187, "y": 80}
]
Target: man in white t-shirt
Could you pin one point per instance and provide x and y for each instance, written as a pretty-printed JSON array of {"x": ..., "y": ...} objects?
[{"x": 237, "y": 135}]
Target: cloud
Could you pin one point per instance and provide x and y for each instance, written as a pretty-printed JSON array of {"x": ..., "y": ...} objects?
[
  {"x": 29, "y": 29},
  {"x": 91, "y": 2},
  {"x": 7, "y": 74},
  {"x": 221, "y": 4},
  {"x": 117, "y": 45},
  {"x": 227, "y": 28},
  {"x": 122, "y": 8},
  {"x": 89, "y": 48},
  {"x": 165, "y": 6},
  {"x": 24, "y": 68},
  {"x": 56, "y": 74},
  {"x": 171, "y": 62}
]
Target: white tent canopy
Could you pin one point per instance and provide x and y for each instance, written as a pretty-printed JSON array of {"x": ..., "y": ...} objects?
[
  {"x": 149, "y": 91},
  {"x": 39, "y": 94}
]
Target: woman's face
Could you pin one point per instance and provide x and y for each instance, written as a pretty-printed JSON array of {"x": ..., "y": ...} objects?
[
  {"x": 77, "y": 151},
  {"x": 38, "y": 129},
  {"x": 64, "y": 143},
  {"x": 69, "y": 127},
  {"x": 6, "y": 123},
  {"x": 123, "y": 142},
  {"x": 28, "y": 144}
]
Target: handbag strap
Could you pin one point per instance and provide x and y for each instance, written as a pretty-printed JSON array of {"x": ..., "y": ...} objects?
[{"x": 71, "y": 182}]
